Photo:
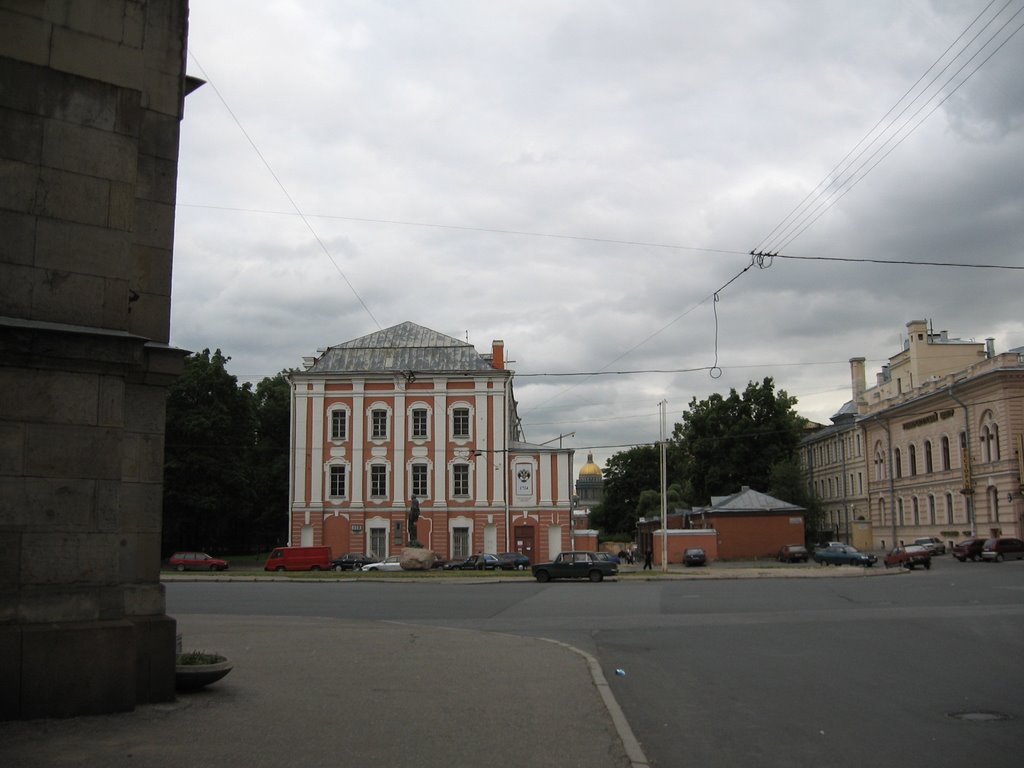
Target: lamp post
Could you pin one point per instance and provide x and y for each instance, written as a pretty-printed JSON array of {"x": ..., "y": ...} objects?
[{"x": 664, "y": 500}]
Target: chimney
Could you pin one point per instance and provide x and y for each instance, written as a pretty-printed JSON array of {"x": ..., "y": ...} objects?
[
  {"x": 857, "y": 381},
  {"x": 990, "y": 347},
  {"x": 498, "y": 354}
]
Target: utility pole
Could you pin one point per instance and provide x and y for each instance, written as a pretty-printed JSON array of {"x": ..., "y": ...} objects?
[{"x": 664, "y": 500}]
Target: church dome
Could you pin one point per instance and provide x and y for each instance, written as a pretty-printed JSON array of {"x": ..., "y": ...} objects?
[{"x": 590, "y": 469}]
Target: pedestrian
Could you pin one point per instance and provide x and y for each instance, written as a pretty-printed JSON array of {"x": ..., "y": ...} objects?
[{"x": 647, "y": 560}]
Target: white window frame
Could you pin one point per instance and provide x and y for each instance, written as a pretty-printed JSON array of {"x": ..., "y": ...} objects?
[
  {"x": 413, "y": 490},
  {"x": 419, "y": 406},
  {"x": 386, "y": 469},
  {"x": 468, "y": 408},
  {"x": 329, "y": 480},
  {"x": 346, "y": 412},
  {"x": 468, "y": 467},
  {"x": 371, "y": 410}
]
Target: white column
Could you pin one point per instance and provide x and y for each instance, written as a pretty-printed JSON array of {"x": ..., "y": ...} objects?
[{"x": 358, "y": 440}]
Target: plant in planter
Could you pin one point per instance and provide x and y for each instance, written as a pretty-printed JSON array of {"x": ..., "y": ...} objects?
[{"x": 194, "y": 669}]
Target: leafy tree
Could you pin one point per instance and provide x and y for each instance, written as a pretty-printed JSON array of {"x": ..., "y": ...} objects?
[
  {"x": 731, "y": 441},
  {"x": 787, "y": 482},
  {"x": 208, "y": 488},
  {"x": 627, "y": 475},
  {"x": 272, "y": 402}
]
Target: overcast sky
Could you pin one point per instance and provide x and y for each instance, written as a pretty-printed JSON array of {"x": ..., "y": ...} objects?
[{"x": 580, "y": 179}]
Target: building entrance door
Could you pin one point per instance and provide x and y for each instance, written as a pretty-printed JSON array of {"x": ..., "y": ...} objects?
[{"x": 524, "y": 541}]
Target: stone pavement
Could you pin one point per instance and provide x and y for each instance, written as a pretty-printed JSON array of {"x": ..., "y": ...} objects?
[{"x": 318, "y": 692}]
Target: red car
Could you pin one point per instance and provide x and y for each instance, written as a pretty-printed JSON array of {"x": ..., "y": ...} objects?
[
  {"x": 908, "y": 557},
  {"x": 196, "y": 561}
]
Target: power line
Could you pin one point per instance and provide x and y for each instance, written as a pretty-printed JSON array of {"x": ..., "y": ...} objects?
[{"x": 280, "y": 184}]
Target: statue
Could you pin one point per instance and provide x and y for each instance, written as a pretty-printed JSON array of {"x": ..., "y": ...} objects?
[{"x": 414, "y": 513}]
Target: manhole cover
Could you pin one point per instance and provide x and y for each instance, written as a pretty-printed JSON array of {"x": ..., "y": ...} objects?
[{"x": 980, "y": 716}]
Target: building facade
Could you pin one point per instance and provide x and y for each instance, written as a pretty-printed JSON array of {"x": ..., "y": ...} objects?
[
  {"x": 941, "y": 432},
  {"x": 408, "y": 413}
]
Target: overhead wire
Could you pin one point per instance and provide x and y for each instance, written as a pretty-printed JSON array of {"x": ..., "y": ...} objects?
[
  {"x": 841, "y": 179},
  {"x": 283, "y": 188}
]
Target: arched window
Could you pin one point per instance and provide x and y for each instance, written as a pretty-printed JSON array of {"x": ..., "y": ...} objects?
[
  {"x": 879, "y": 464},
  {"x": 949, "y": 508},
  {"x": 898, "y": 471},
  {"x": 881, "y": 512},
  {"x": 989, "y": 437},
  {"x": 899, "y": 512},
  {"x": 917, "y": 511},
  {"x": 993, "y": 504},
  {"x": 912, "y": 454},
  {"x": 928, "y": 457},
  {"x": 931, "y": 509},
  {"x": 945, "y": 452}
]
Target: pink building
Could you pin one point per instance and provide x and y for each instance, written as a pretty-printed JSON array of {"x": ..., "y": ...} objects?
[{"x": 406, "y": 413}]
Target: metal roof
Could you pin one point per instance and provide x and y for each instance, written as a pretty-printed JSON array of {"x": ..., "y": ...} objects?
[
  {"x": 748, "y": 500},
  {"x": 403, "y": 347}
]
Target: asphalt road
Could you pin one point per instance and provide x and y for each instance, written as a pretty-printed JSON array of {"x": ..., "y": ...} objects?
[{"x": 909, "y": 668}]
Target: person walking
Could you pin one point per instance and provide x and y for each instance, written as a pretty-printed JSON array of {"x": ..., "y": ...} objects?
[{"x": 647, "y": 560}]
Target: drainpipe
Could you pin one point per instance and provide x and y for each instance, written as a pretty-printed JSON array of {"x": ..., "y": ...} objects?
[{"x": 968, "y": 489}]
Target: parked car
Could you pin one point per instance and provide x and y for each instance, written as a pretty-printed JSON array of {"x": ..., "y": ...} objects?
[
  {"x": 968, "y": 549},
  {"x": 844, "y": 554},
  {"x": 389, "y": 563},
  {"x": 299, "y": 559},
  {"x": 513, "y": 561},
  {"x": 694, "y": 556},
  {"x": 909, "y": 557},
  {"x": 353, "y": 561},
  {"x": 933, "y": 544},
  {"x": 481, "y": 562},
  {"x": 196, "y": 561},
  {"x": 793, "y": 553},
  {"x": 575, "y": 565},
  {"x": 1003, "y": 549}
]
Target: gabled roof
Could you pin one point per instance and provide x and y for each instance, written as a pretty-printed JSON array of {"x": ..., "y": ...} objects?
[
  {"x": 402, "y": 347},
  {"x": 748, "y": 500}
]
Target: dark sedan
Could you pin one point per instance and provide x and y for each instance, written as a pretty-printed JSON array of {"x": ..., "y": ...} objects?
[
  {"x": 844, "y": 554},
  {"x": 513, "y": 561},
  {"x": 694, "y": 556},
  {"x": 484, "y": 562},
  {"x": 353, "y": 561}
]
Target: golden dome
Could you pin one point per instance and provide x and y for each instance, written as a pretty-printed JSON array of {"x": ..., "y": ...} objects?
[{"x": 590, "y": 469}]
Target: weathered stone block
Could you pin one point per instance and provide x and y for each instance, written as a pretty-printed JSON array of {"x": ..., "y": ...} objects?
[
  {"x": 122, "y": 207},
  {"x": 86, "y": 150},
  {"x": 48, "y": 396},
  {"x": 77, "y": 670},
  {"x": 154, "y": 223},
  {"x": 41, "y": 604},
  {"x": 12, "y": 448},
  {"x": 81, "y": 248},
  {"x": 150, "y": 270},
  {"x": 52, "y": 504},
  {"x": 18, "y": 192},
  {"x": 143, "y": 600},
  {"x": 104, "y": 20},
  {"x": 10, "y": 571},
  {"x": 157, "y": 179},
  {"x": 159, "y": 135},
  {"x": 24, "y": 37},
  {"x": 416, "y": 559},
  {"x": 17, "y": 246},
  {"x": 64, "y": 195},
  {"x": 98, "y": 59},
  {"x": 110, "y": 411},
  {"x": 154, "y": 654},
  {"x": 57, "y": 450},
  {"x": 23, "y": 136},
  {"x": 116, "y": 306},
  {"x": 150, "y": 317},
  {"x": 16, "y": 296},
  {"x": 141, "y": 507}
]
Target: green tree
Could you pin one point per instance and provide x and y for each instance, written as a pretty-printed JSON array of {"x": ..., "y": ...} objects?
[
  {"x": 272, "y": 403},
  {"x": 627, "y": 475},
  {"x": 208, "y": 488},
  {"x": 731, "y": 441},
  {"x": 787, "y": 482}
]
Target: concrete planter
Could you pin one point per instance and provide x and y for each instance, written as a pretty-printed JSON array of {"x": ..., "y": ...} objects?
[{"x": 188, "y": 677}]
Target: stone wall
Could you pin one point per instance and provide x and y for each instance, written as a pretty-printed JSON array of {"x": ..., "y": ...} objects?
[{"x": 91, "y": 95}]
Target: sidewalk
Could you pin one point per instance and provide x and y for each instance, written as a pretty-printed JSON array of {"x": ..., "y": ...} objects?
[{"x": 326, "y": 693}]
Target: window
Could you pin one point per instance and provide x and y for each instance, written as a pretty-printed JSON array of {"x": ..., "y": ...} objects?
[
  {"x": 379, "y": 542},
  {"x": 949, "y": 508},
  {"x": 931, "y": 510},
  {"x": 378, "y": 424},
  {"x": 899, "y": 512},
  {"x": 912, "y": 455},
  {"x": 339, "y": 425},
  {"x": 460, "y": 422},
  {"x": 460, "y": 543},
  {"x": 928, "y": 457},
  {"x": 419, "y": 480},
  {"x": 917, "y": 510},
  {"x": 945, "y": 452},
  {"x": 419, "y": 424},
  {"x": 378, "y": 481},
  {"x": 899, "y": 464},
  {"x": 460, "y": 480},
  {"x": 337, "y": 481}
]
